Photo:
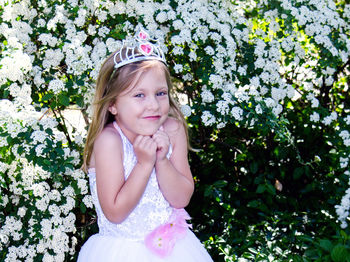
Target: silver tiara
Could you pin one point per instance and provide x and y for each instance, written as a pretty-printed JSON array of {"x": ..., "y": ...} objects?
[{"x": 148, "y": 49}]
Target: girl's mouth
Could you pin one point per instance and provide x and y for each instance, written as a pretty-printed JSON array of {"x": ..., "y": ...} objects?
[{"x": 152, "y": 117}]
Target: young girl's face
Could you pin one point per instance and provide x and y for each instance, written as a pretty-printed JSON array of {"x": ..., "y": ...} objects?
[{"x": 144, "y": 107}]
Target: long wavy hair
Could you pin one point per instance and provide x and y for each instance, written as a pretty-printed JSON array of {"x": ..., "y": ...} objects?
[{"x": 110, "y": 84}]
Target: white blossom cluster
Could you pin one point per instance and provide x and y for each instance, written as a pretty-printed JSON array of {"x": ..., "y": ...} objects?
[
  {"x": 343, "y": 209},
  {"x": 33, "y": 194}
]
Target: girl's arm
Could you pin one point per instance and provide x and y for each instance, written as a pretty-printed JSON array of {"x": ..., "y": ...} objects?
[
  {"x": 117, "y": 196},
  {"x": 174, "y": 175}
]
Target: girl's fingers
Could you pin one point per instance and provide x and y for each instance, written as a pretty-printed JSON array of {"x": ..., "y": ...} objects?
[{"x": 145, "y": 143}]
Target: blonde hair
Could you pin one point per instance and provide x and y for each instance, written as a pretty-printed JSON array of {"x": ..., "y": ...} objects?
[{"x": 110, "y": 84}]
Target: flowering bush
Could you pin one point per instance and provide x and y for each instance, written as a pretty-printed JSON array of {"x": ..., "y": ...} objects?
[{"x": 265, "y": 81}]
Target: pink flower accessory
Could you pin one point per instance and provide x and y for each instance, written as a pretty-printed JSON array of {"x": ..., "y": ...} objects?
[
  {"x": 138, "y": 48},
  {"x": 161, "y": 240}
]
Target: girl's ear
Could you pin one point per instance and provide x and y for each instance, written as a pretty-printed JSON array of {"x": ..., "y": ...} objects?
[{"x": 113, "y": 109}]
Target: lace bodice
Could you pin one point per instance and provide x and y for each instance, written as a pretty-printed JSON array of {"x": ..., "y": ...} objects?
[{"x": 151, "y": 211}]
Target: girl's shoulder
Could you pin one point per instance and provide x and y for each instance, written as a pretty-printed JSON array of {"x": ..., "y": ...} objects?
[
  {"x": 172, "y": 126},
  {"x": 109, "y": 137},
  {"x": 175, "y": 130},
  {"x": 108, "y": 142}
]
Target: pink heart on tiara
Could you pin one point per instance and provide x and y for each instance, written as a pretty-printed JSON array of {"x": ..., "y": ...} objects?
[
  {"x": 146, "y": 49},
  {"x": 143, "y": 35}
]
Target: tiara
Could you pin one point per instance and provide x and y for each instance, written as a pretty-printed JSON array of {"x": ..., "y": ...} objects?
[{"x": 148, "y": 49}]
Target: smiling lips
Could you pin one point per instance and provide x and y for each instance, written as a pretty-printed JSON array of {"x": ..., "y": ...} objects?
[{"x": 152, "y": 117}]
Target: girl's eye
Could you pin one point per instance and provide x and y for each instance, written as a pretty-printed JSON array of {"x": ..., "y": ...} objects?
[
  {"x": 139, "y": 95},
  {"x": 162, "y": 93}
]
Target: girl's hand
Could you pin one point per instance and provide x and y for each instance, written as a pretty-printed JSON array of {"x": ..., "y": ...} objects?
[
  {"x": 145, "y": 150},
  {"x": 163, "y": 142}
]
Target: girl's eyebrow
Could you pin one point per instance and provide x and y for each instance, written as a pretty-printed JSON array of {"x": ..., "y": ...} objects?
[{"x": 142, "y": 89}]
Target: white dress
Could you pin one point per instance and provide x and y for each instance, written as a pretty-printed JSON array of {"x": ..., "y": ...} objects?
[{"x": 125, "y": 242}]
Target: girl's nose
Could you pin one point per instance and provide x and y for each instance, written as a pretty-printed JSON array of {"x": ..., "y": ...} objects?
[{"x": 153, "y": 103}]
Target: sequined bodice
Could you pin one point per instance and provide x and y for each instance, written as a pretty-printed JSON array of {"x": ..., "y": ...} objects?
[{"x": 151, "y": 211}]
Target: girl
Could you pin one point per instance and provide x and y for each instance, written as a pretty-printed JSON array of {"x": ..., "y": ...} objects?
[{"x": 136, "y": 158}]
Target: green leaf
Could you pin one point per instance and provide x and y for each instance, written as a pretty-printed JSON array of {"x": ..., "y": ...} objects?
[
  {"x": 270, "y": 188},
  {"x": 261, "y": 189},
  {"x": 220, "y": 183},
  {"x": 253, "y": 204},
  {"x": 311, "y": 253},
  {"x": 297, "y": 173},
  {"x": 80, "y": 82},
  {"x": 82, "y": 207},
  {"x": 326, "y": 244},
  {"x": 339, "y": 253},
  {"x": 80, "y": 101},
  {"x": 47, "y": 97},
  {"x": 343, "y": 234},
  {"x": 64, "y": 100},
  {"x": 254, "y": 167}
]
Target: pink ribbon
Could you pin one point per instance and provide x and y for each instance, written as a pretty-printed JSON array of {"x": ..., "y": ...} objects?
[{"x": 162, "y": 239}]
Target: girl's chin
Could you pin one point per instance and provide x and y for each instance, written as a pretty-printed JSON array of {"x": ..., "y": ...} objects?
[{"x": 150, "y": 132}]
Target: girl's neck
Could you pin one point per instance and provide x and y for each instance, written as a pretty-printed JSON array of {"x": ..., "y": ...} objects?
[{"x": 128, "y": 135}]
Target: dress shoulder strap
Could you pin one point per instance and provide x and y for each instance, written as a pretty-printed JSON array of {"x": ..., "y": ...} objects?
[{"x": 124, "y": 138}]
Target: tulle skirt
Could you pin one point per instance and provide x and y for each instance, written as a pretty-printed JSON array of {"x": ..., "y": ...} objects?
[{"x": 100, "y": 248}]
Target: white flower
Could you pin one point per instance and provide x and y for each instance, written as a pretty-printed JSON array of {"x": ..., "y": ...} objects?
[
  {"x": 40, "y": 189},
  {"x": 178, "y": 68},
  {"x": 38, "y": 136},
  {"x": 186, "y": 110},
  {"x": 242, "y": 70},
  {"x": 178, "y": 24},
  {"x": 329, "y": 81},
  {"x": 52, "y": 58},
  {"x": 187, "y": 77},
  {"x": 344, "y": 134},
  {"x": 222, "y": 107},
  {"x": 162, "y": 17},
  {"x": 80, "y": 20},
  {"x": 48, "y": 39},
  {"x": 39, "y": 150},
  {"x": 278, "y": 94},
  {"x": 192, "y": 56},
  {"x": 55, "y": 195},
  {"x": 329, "y": 119},
  {"x": 14, "y": 66},
  {"x": 87, "y": 200},
  {"x": 221, "y": 125},
  {"x": 258, "y": 109},
  {"x": 343, "y": 162},
  {"x": 346, "y": 137},
  {"x": 347, "y": 120},
  {"x": 82, "y": 184},
  {"x": 68, "y": 223},
  {"x": 54, "y": 210},
  {"x": 66, "y": 208},
  {"x": 315, "y": 117},
  {"x": 277, "y": 109},
  {"x": 22, "y": 211},
  {"x": 56, "y": 86},
  {"x": 216, "y": 80},
  {"x": 42, "y": 204},
  {"x": 237, "y": 113},
  {"x": 270, "y": 102},
  {"x": 207, "y": 118},
  {"x": 207, "y": 96},
  {"x": 68, "y": 191},
  {"x": 209, "y": 50}
]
